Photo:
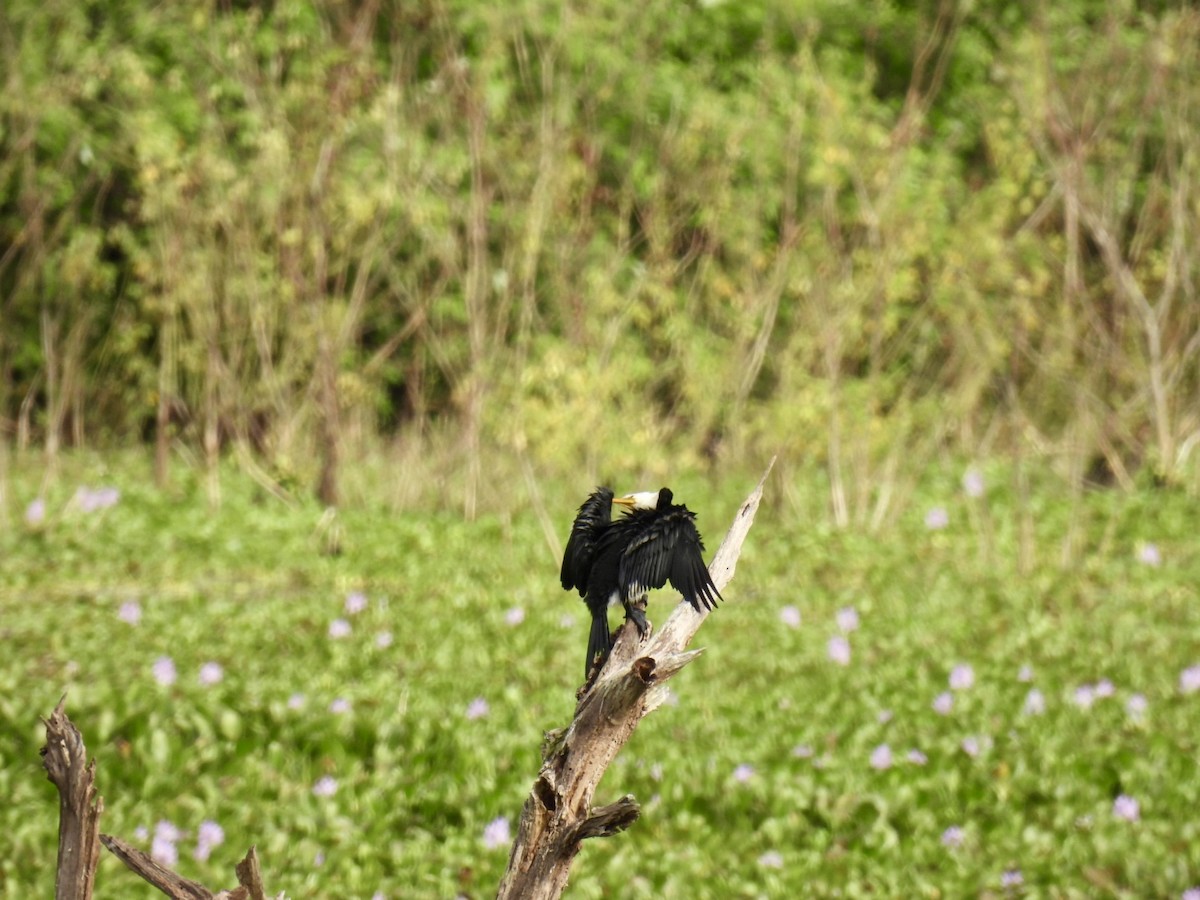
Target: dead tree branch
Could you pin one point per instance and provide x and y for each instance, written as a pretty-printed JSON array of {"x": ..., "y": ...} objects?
[
  {"x": 65, "y": 760},
  {"x": 558, "y": 814}
]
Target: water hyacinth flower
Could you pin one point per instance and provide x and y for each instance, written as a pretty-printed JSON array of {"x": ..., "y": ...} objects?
[
  {"x": 383, "y": 640},
  {"x": 319, "y": 858},
  {"x": 971, "y": 746},
  {"x": 209, "y": 835},
  {"x": 1136, "y": 706},
  {"x": 1012, "y": 878},
  {"x": 477, "y": 709},
  {"x": 847, "y": 619},
  {"x": 884, "y": 716},
  {"x": 881, "y": 757},
  {"x": 162, "y": 848},
  {"x": 1085, "y": 696},
  {"x": 141, "y": 834},
  {"x": 772, "y": 859},
  {"x": 514, "y": 616},
  {"x": 937, "y": 518},
  {"x": 916, "y": 757},
  {"x": 790, "y": 616},
  {"x": 130, "y": 612},
  {"x": 1189, "y": 680},
  {"x": 1035, "y": 703},
  {"x": 839, "y": 650},
  {"x": 296, "y": 701},
  {"x": 1103, "y": 688},
  {"x": 1025, "y": 673},
  {"x": 743, "y": 773},
  {"x": 356, "y": 602},
  {"x": 164, "y": 671},
  {"x": 339, "y": 628},
  {"x": 943, "y": 703},
  {"x": 339, "y": 706},
  {"x": 1127, "y": 808},
  {"x": 325, "y": 786},
  {"x": 972, "y": 483},
  {"x": 35, "y": 512},
  {"x": 497, "y": 833},
  {"x": 952, "y": 837},
  {"x": 962, "y": 677},
  {"x": 211, "y": 673},
  {"x": 1192, "y": 893},
  {"x": 1149, "y": 555}
]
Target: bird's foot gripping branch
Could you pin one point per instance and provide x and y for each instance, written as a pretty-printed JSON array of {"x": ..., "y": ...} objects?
[{"x": 558, "y": 814}]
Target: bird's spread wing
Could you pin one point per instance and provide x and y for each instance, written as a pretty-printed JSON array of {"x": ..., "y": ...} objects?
[
  {"x": 668, "y": 548},
  {"x": 593, "y": 520}
]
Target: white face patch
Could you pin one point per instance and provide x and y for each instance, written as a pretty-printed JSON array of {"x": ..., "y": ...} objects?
[{"x": 644, "y": 499}]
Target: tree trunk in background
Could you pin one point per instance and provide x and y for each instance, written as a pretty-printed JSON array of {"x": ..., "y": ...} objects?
[{"x": 327, "y": 488}]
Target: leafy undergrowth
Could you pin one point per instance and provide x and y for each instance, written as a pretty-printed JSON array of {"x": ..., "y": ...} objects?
[{"x": 896, "y": 715}]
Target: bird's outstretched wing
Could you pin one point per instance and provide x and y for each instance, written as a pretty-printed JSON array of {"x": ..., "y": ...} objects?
[
  {"x": 594, "y": 518},
  {"x": 668, "y": 548}
]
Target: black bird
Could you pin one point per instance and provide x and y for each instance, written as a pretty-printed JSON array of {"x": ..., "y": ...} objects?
[{"x": 656, "y": 541}]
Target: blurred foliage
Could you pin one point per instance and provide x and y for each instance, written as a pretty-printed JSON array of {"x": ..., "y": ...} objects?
[
  {"x": 610, "y": 235},
  {"x": 418, "y": 778}
]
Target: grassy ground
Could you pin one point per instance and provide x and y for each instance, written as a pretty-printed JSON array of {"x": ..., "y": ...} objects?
[{"x": 382, "y": 748}]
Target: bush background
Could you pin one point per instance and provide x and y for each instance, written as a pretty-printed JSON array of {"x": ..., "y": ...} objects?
[{"x": 460, "y": 236}]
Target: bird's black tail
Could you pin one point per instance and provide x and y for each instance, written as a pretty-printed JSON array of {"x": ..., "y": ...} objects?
[{"x": 599, "y": 643}]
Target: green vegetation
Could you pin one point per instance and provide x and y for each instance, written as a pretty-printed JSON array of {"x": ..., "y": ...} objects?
[
  {"x": 421, "y": 768},
  {"x": 304, "y": 232}
]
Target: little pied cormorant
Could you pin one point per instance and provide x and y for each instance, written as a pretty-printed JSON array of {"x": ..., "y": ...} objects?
[{"x": 609, "y": 561}]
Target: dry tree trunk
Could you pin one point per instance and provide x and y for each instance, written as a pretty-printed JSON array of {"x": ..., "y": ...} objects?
[{"x": 558, "y": 814}]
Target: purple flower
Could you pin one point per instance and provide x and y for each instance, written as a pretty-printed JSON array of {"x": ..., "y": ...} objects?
[
  {"x": 883, "y": 716},
  {"x": 497, "y": 834},
  {"x": 325, "y": 786},
  {"x": 790, "y": 616},
  {"x": 972, "y": 482},
  {"x": 383, "y": 640},
  {"x": 1191, "y": 894},
  {"x": 162, "y": 847},
  {"x": 130, "y": 612},
  {"x": 35, "y": 512},
  {"x": 839, "y": 650},
  {"x": 90, "y": 500},
  {"x": 141, "y": 834},
  {"x": 656, "y": 771},
  {"x": 164, "y": 671},
  {"x": 847, "y": 619},
  {"x": 1085, "y": 696},
  {"x": 211, "y": 673},
  {"x": 339, "y": 628},
  {"x": 1189, "y": 680},
  {"x": 339, "y": 706},
  {"x": 1148, "y": 555},
  {"x": 1035, "y": 703},
  {"x": 1126, "y": 807},
  {"x": 743, "y": 773},
  {"x": 164, "y": 852},
  {"x": 356, "y": 602},
  {"x": 1012, "y": 878},
  {"x": 514, "y": 617},
  {"x": 477, "y": 709},
  {"x": 952, "y": 837},
  {"x": 319, "y": 858},
  {"x": 802, "y": 751},
  {"x": 209, "y": 835},
  {"x": 881, "y": 757},
  {"x": 971, "y": 746},
  {"x": 943, "y": 703},
  {"x": 1025, "y": 673},
  {"x": 772, "y": 859},
  {"x": 1136, "y": 706},
  {"x": 937, "y": 518},
  {"x": 962, "y": 677},
  {"x": 296, "y": 701},
  {"x": 916, "y": 757}
]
